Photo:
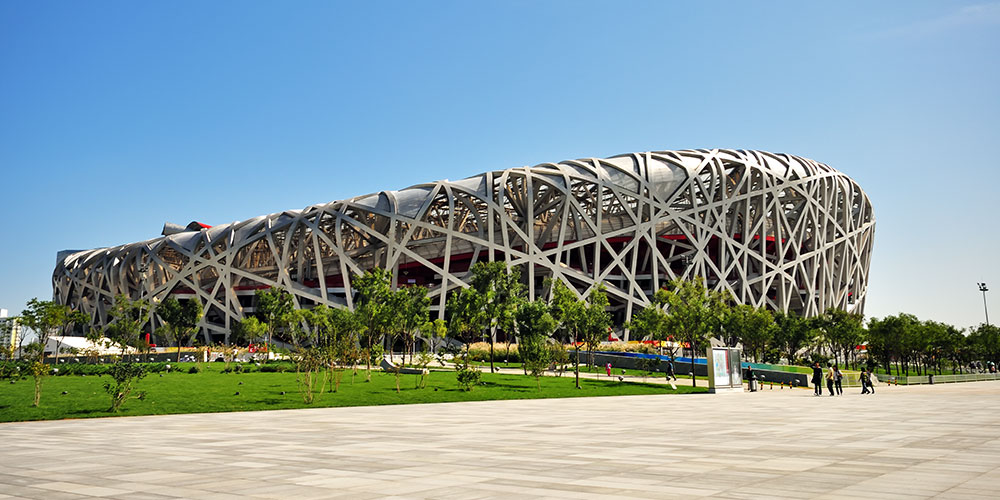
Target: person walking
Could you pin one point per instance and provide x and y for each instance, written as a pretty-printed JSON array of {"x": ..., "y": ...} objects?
[
  {"x": 863, "y": 378},
  {"x": 670, "y": 369},
  {"x": 838, "y": 378},
  {"x": 830, "y": 375},
  {"x": 817, "y": 380}
]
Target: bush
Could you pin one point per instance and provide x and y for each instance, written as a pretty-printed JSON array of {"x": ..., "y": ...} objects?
[
  {"x": 468, "y": 376},
  {"x": 156, "y": 367},
  {"x": 194, "y": 369},
  {"x": 234, "y": 368},
  {"x": 274, "y": 368}
]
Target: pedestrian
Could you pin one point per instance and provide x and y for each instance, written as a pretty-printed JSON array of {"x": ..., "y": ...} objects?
[
  {"x": 609, "y": 369},
  {"x": 670, "y": 370},
  {"x": 817, "y": 380},
  {"x": 838, "y": 378},
  {"x": 863, "y": 378},
  {"x": 830, "y": 375},
  {"x": 751, "y": 378},
  {"x": 872, "y": 380}
]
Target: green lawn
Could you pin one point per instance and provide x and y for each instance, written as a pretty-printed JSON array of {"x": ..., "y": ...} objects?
[{"x": 212, "y": 391}]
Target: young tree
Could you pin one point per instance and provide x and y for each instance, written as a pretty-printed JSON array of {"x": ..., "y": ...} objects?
[
  {"x": 431, "y": 330},
  {"x": 651, "y": 322},
  {"x": 414, "y": 314},
  {"x": 694, "y": 314},
  {"x": 500, "y": 291},
  {"x": 275, "y": 305},
  {"x": 45, "y": 318},
  {"x": 466, "y": 317},
  {"x": 375, "y": 311},
  {"x": 534, "y": 326},
  {"x": 570, "y": 314},
  {"x": 181, "y": 320},
  {"x": 250, "y": 331},
  {"x": 125, "y": 330},
  {"x": 597, "y": 321}
]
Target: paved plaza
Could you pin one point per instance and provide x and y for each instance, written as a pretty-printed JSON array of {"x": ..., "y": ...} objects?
[{"x": 938, "y": 441}]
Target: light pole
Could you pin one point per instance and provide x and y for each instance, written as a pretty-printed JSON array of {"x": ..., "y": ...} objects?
[{"x": 982, "y": 288}]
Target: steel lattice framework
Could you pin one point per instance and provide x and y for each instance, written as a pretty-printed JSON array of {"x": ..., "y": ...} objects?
[{"x": 774, "y": 230}]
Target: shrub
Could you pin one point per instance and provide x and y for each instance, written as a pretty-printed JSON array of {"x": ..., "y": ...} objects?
[
  {"x": 274, "y": 368},
  {"x": 480, "y": 351},
  {"x": 194, "y": 369},
  {"x": 468, "y": 376}
]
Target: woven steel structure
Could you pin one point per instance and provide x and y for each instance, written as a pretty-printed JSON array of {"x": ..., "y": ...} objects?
[{"x": 774, "y": 230}]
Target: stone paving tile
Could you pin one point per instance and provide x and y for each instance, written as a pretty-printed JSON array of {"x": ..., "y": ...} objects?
[{"x": 906, "y": 442}]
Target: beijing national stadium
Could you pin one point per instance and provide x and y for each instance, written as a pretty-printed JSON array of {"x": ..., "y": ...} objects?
[{"x": 773, "y": 230}]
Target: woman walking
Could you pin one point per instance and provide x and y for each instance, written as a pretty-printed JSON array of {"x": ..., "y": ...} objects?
[
  {"x": 838, "y": 380},
  {"x": 830, "y": 375}
]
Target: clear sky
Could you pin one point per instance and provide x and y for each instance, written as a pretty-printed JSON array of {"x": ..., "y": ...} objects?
[{"x": 118, "y": 116}]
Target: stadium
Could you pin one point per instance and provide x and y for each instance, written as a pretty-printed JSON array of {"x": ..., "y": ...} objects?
[{"x": 773, "y": 230}]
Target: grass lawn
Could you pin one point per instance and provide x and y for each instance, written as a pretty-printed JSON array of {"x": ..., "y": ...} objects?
[{"x": 212, "y": 391}]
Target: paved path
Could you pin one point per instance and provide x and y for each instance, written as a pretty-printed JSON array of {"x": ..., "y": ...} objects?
[{"x": 905, "y": 442}]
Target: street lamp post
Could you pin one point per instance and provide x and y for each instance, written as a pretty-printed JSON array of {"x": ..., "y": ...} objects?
[{"x": 982, "y": 288}]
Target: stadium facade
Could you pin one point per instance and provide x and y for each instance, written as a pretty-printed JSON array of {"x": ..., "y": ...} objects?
[{"x": 773, "y": 230}]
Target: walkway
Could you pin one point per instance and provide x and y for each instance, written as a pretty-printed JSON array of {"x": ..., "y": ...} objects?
[{"x": 904, "y": 442}]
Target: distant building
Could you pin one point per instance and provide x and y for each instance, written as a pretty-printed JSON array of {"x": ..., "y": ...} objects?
[
  {"x": 9, "y": 334},
  {"x": 773, "y": 230}
]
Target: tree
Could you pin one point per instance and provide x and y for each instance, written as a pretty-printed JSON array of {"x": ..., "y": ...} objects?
[
  {"x": 694, "y": 314},
  {"x": 45, "y": 318},
  {"x": 375, "y": 311},
  {"x": 431, "y": 330},
  {"x": 181, "y": 320},
  {"x": 414, "y": 314},
  {"x": 125, "y": 330},
  {"x": 411, "y": 307},
  {"x": 465, "y": 320},
  {"x": 888, "y": 339},
  {"x": 570, "y": 313},
  {"x": 534, "y": 326},
  {"x": 841, "y": 331},
  {"x": 651, "y": 322},
  {"x": 985, "y": 340},
  {"x": 791, "y": 333},
  {"x": 750, "y": 326},
  {"x": 275, "y": 305},
  {"x": 597, "y": 320},
  {"x": 500, "y": 291}
]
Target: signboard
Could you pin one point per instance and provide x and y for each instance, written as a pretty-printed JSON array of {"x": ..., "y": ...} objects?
[{"x": 724, "y": 371}]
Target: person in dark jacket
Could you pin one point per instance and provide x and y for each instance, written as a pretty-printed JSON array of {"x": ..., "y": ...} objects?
[
  {"x": 838, "y": 378},
  {"x": 865, "y": 381},
  {"x": 817, "y": 380}
]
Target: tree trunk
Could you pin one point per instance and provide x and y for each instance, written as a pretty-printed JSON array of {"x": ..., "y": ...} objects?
[
  {"x": 576, "y": 366},
  {"x": 492, "y": 333},
  {"x": 694, "y": 382}
]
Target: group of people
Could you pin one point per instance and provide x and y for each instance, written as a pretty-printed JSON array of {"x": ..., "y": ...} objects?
[
  {"x": 980, "y": 367},
  {"x": 834, "y": 381}
]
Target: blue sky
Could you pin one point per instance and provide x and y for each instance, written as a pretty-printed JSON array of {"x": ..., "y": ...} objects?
[{"x": 118, "y": 116}]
